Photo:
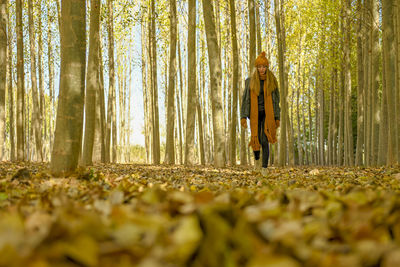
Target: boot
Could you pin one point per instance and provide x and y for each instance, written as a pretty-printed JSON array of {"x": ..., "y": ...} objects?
[{"x": 264, "y": 172}]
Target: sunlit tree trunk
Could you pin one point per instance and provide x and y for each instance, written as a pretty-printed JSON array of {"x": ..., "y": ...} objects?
[
  {"x": 42, "y": 116},
  {"x": 258, "y": 27},
  {"x": 389, "y": 48},
  {"x": 144, "y": 86},
  {"x": 235, "y": 74},
  {"x": 154, "y": 87},
  {"x": 201, "y": 135},
  {"x": 383, "y": 124},
  {"x": 68, "y": 134},
  {"x": 192, "y": 85},
  {"x": 50, "y": 68},
  {"x": 179, "y": 107},
  {"x": 20, "y": 84},
  {"x": 58, "y": 5},
  {"x": 11, "y": 92},
  {"x": 397, "y": 34},
  {"x": 253, "y": 37},
  {"x": 375, "y": 76},
  {"x": 36, "y": 116},
  {"x": 102, "y": 112},
  {"x": 215, "y": 83},
  {"x": 282, "y": 86},
  {"x": 303, "y": 111},
  {"x": 170, "y": 145},
  {"x": 361, "y": 146},
  {"x": 92, "y": 84},
  {"x": 111, "y": 127},
  {"x": 3, "y": 74},
  {"x": 299, "y": 65},
  {"x": 349, "y": 154}
]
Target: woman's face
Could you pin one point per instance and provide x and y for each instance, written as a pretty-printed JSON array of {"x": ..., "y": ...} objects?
[{"x": 261, "y": 69}]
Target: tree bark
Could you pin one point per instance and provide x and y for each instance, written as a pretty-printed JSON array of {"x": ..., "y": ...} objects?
[
  {"x": 215, "y": 83},
  {"x": 253, "y": 44},
  {"x": 3, "y": 74},
  {"x": 102, "y": 107},
  {"x": 349, "y": 154},
  {"x": 258, "y": 27},
  {"x": 361, "y": 146},
  {"x": 42, "y": 120},
  {"x": 235, "y": 80},
  {"x": 201, "y": 135},
  {"x": 154, "y": 100},
  {"x": 20, "y": 84},
  {"x": 397, "y": 34},
  {"x": 170, "y": 145},
  {"x": 11, "y": 92},
  {"x": 111, "y": 86},
  {"x": 50, "y": 68},
  {"x": 180, "y": 108},
  {"x": 383, "y": 124},
  {"x": 390, "y": 77},
  {"x": 68, "y": 134},
  {"x": 192, "y": 85},
  {"x": 375, "y": 76},
  {"x": 35, "y": 99},
  {"x": 92, "y": 84},
  {"x": 282, "y": 86}
]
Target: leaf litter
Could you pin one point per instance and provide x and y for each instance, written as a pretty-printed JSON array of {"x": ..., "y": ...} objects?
[{"x": 142, "y": 215}]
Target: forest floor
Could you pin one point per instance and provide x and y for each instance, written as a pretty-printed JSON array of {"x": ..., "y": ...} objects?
[{"x": 160, "y": 216}]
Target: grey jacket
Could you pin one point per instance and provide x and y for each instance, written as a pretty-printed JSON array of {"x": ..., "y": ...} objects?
[{"x": 245, "y": 108}]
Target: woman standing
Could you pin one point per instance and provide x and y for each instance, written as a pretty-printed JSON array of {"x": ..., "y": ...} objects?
[{"x": 260, "y": 103}]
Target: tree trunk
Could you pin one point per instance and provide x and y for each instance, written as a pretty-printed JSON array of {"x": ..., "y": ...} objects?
[
  {"x": 3, "y": 74},
  {"x": 349, "y": 155},
  {"x": 50, "y": 68},
  {"x": 11, "y": 92},
  {"x": 361, "y": 146},
  {"x": 35, "y": 99},
  {"x": 375, "y": 76},
  {"x": 201, "y": 136},
  {"x": 252, "y": 23},
  {"x": 282, "y": 86},
  {"x": 215, "y": 83},
  {"x": 68, "y": 134},
  {"x": 383, "y": 124},
  {"x": 192, "y": 85},
  {"x": 92, "y": 84},
  {"x": 20, "y": 84},
  {"x": 42, "y": 115},
  {"x": 299, "y": 144},
  {"x": 389, "y": 47},
  {"x": 58, "y": 14},
  {"x": 111, "y": 85},
  {"x": 102, "y": 107},
  {"x": 290, "y": 134},
  {"x": 180, "y": 105},
  {"x": 397, "y": 34},
  {"x": 144, "y": 86},
  {"x": 170, "y": 145},
  {"x": 154, "y": 100},
  {"x": 258, "y": 27},
  {"x": 235, "y": 74},
  {"x": 330, "y": 127}
]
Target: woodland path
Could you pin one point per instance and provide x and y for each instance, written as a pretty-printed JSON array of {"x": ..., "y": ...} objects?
[{"x": 142, "y": 215}]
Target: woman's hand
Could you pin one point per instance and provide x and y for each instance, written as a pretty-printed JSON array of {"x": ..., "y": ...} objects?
[{"x": 243, "y": 122}]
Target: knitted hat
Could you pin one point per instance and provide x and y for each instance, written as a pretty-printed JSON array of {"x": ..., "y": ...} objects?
[{"x": 261, "y": 60}]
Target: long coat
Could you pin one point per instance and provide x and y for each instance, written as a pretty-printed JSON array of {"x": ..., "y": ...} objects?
[{"x": 245, "y": 108}]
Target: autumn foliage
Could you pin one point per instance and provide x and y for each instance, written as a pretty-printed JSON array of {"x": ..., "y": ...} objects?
[{"x": 141, "y": 215}]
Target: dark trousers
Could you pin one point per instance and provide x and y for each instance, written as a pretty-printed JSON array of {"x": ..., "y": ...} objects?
[{"x": 262, "y": 138}]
